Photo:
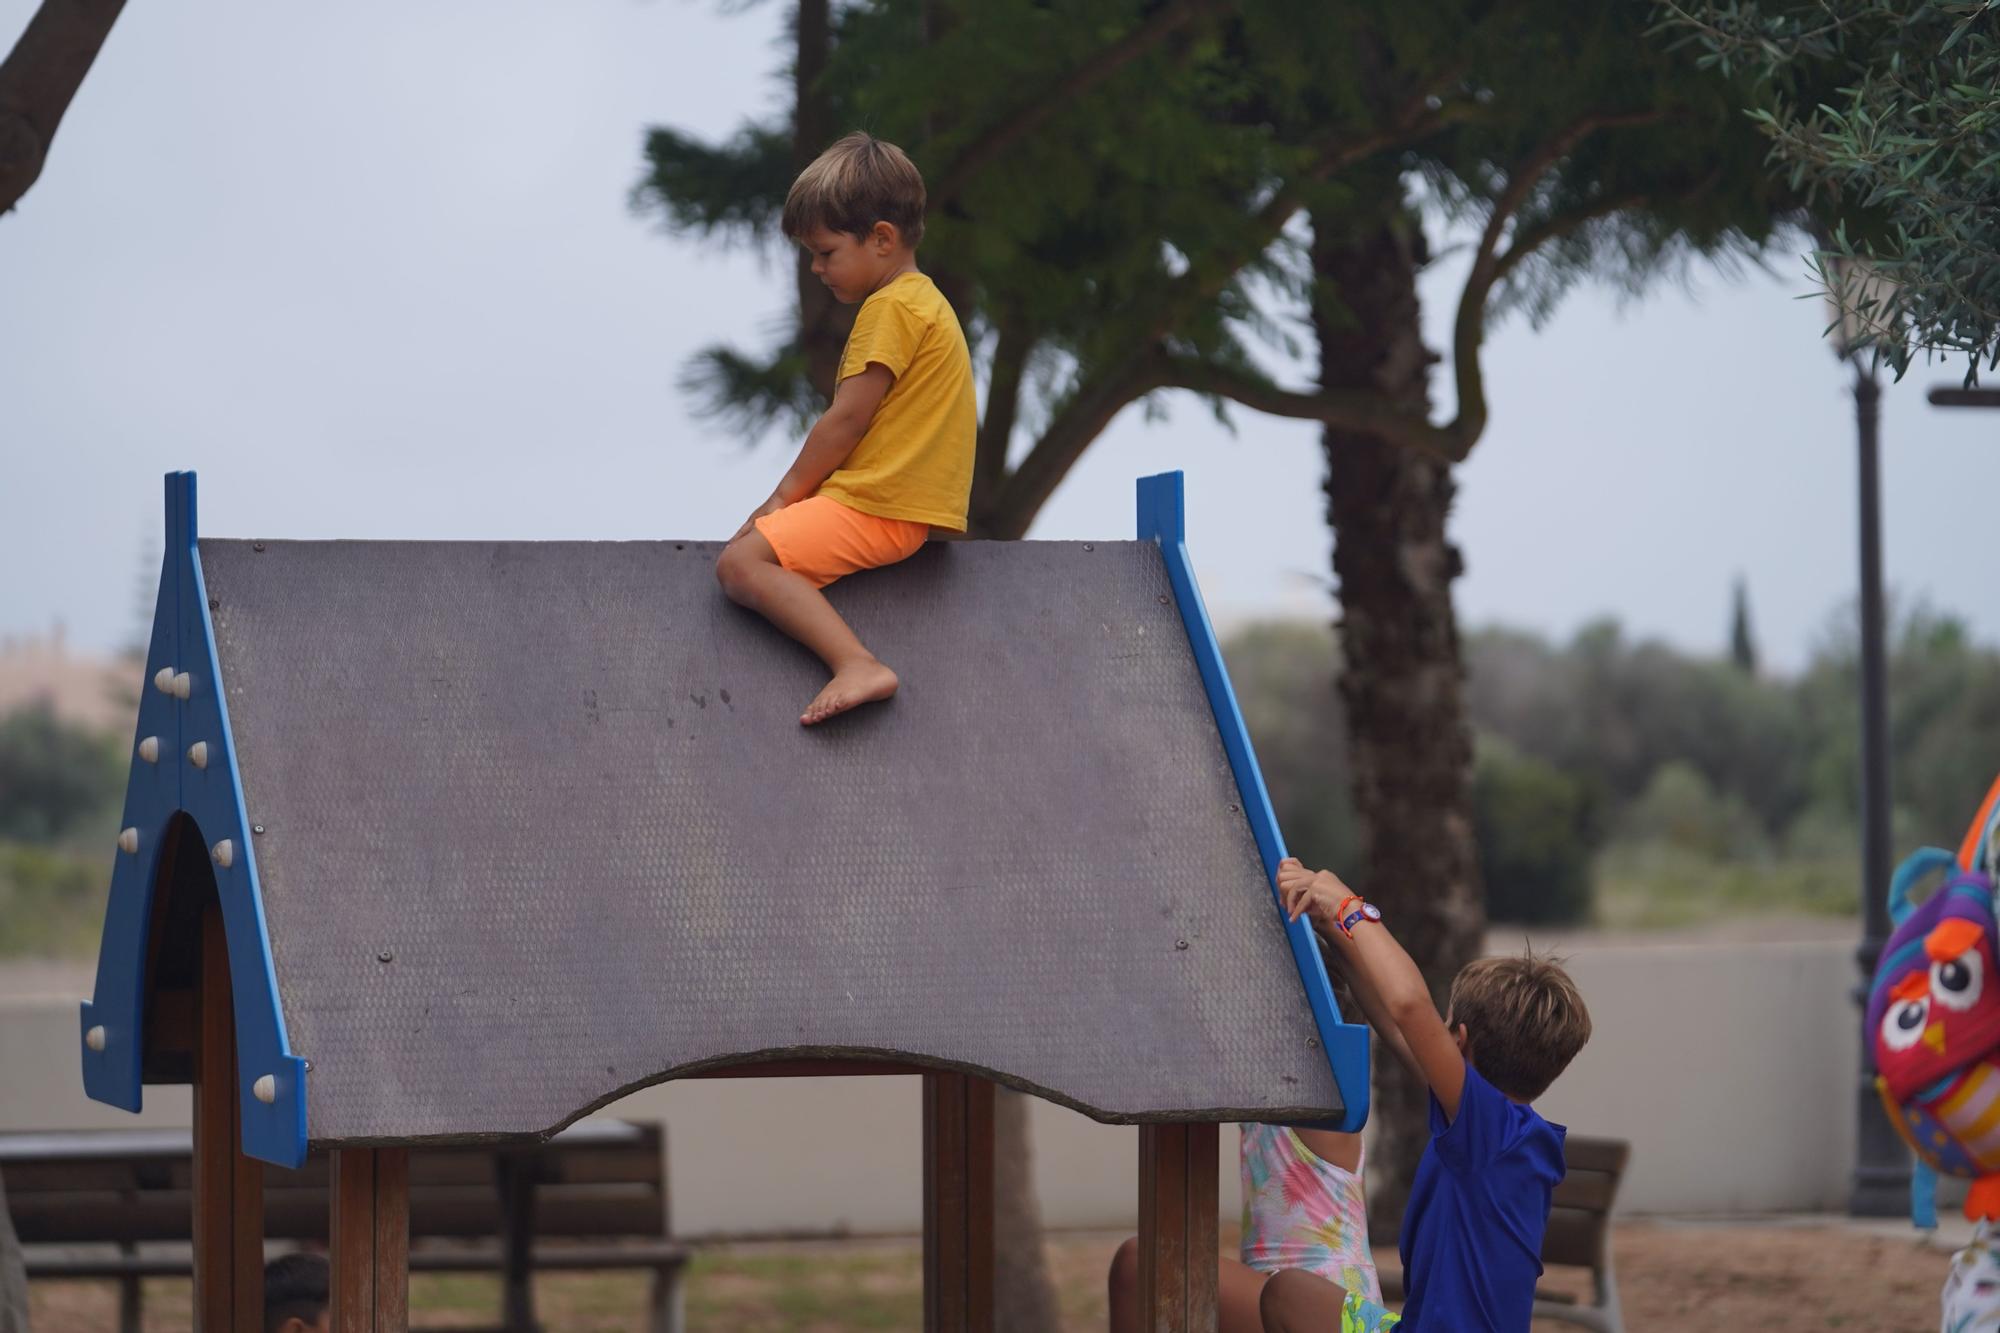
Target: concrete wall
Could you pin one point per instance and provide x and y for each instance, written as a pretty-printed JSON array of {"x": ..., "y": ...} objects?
[{"x": 1730, "y": 1067}]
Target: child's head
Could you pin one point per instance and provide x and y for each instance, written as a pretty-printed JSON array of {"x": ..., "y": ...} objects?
[
  {"x": 295, "y": 1299},
  {"x": 859, "y": 211},
  {"x": 1524, "y": 1021}
]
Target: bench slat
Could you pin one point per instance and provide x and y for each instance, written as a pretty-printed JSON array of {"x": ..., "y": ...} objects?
[
  {"x": 301, "y": 1214},
  {"x": 1587, "y": 1191},
  {"x": 568, "y": 1258},
  {"x": 636, "y": 1163},
  {"x": 169, "y": 1144},
  {"x": 456, "y": 1259},
  {"x": 1610, "y": 1156},
  {"x": 1573, "y": 1237}
]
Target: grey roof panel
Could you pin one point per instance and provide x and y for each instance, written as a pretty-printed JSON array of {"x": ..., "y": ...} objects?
[{"x": 541, "y": 826}]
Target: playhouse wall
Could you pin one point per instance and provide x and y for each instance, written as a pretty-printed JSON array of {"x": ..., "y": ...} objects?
[{"x": 1730, "y": 1067}]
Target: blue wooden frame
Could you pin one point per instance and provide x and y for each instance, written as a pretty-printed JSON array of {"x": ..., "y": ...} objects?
[
  {"x": 157, "y": 792},
  {"x": 1163, "y": 519}
]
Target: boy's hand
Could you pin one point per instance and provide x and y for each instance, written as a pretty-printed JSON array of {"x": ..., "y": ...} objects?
[
  {"x": 1398, "y": 1001},
  {"x": 1302, "y": 891},
  {"x": 770, "y": 506}
]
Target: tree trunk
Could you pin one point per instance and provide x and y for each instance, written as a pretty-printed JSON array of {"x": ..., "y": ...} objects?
[
  {"x": 1024, "y": 1293},
  {"x": 38, "y": 80},
  {"x": 1024, "y": 1296},
  {"x": 1401, "y": 680}
]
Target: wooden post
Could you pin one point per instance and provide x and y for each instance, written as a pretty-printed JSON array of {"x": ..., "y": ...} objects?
[
  {"x": 516, "y": 1180},
  {"x": 369, "y": 1231},
  {"x": 1177, "y": 1227},
  {"x": 228, "y": 1187},
  {"x": 958, "y": 1204}
]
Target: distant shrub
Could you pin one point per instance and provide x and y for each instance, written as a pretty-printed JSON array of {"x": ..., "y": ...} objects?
[
  {"x": 55, "y": 779},
  {"x": 51, "y": 901},
  {"x": 1536, "y": 830},
  {"x": 1681, "y": 809},
  {"x": 1284, "y": 675}
]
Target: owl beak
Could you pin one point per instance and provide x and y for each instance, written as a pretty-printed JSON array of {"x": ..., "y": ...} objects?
[{"x": 1934, "y": 1037}]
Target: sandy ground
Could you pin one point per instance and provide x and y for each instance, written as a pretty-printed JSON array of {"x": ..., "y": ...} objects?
[
  {"x": 1818, "y": 1273},
  {"x": 1774, "y": 1275}
]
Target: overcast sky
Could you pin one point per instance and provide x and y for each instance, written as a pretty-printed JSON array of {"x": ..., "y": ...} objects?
[{"x": 369, "y": 269}]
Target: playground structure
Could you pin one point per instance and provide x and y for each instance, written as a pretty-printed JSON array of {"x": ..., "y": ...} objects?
[{"x": 432, "y": 842}]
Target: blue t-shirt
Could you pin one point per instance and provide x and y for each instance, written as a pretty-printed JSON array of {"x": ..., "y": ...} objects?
[{"x": 1472, "y": 1235}]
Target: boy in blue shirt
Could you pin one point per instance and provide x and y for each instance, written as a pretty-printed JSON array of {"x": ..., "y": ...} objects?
[{"x": 1472, "y": 1234}]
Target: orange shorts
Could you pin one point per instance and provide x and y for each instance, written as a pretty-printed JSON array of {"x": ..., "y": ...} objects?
[{"x": 823, "y": 540}]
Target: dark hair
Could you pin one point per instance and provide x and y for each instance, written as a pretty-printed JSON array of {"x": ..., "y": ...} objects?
[
  {"x": 853, "y": 185},
  {"x": 1525, "y": 1019},
  {"x": 295, "y": 1287}
]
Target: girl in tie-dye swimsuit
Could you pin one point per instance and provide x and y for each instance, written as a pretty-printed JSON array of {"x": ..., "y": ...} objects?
[{"x": 1301, "y": 1210}]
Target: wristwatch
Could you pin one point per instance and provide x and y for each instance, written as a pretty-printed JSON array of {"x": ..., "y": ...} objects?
[{"x": 1365, "y": 912}]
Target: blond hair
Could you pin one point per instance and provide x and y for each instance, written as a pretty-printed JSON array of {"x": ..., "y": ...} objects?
[
  {"x": 853, "y": 185},
  {"x": 1524, "y": 1019}
]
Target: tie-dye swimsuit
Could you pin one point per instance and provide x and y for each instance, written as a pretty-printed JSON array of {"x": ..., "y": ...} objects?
[{"x": 1302, "y": 1211}]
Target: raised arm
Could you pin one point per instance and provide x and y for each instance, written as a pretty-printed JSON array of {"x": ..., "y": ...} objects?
[
  {"x": 1372, "y": 955},
  {"x": 1377, "y": 1013}
]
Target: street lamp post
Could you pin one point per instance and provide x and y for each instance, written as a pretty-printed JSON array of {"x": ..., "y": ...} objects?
[{"x": 1882, "y": 1163}]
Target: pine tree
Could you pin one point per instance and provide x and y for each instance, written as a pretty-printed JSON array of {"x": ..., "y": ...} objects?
[
  {"x": 1132, "y": 197},
  {"x": 1742, "y": 645}
]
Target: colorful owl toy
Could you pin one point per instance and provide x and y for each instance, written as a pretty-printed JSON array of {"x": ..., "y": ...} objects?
[{"x": 1933, "y": 1015}]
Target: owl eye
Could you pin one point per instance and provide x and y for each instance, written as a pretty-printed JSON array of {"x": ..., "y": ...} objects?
[
  {"x": 1903, "y": 1025},
  {"x": 1957, "y": 982}
]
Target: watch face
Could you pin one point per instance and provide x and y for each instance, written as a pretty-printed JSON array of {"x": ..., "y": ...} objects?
[{"x": 1371, "y": 911}]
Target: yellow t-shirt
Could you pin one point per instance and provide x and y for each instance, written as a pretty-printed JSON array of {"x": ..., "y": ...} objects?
[{"x": 915, "y": 461}]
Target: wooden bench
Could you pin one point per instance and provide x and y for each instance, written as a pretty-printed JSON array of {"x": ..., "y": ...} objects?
[
  {"x": 85, "y": 1203},
  {"x": 1578, "y": 1236},
  {"x": 1579, "y": 1233}
]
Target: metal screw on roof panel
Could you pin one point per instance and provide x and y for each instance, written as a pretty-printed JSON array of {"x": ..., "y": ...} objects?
[
  {"x": 95, "y": 1038},
  {"x": 128, "y": 841},
  {"x": 149, "y": 749},
  {"x": 1088, "y": 547},
  {"x": 214, "y": 605},
  {"x": 1313, "y": 1042},
  {"x": 1180, "y": 944},
  {"x": 265, "y": 1089},
  {"x": 385, "y": 957},
  {"x": 256, "y": 546},
  {"x": 309, "y": 1066},
  {"x": 257, "y": 828},
  {"x": 1232, "y": 808}
]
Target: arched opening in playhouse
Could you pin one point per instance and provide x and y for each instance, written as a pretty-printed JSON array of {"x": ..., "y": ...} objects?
[{"x": 183, "y": 894}]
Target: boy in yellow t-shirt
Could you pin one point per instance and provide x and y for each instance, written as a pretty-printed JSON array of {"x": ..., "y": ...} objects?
[{"x": 892, "y": 458}]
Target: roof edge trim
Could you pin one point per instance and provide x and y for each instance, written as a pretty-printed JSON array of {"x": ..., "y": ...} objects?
[
  {"x": 182, "y": 705},
  {"x": 1163, "y": 520}
]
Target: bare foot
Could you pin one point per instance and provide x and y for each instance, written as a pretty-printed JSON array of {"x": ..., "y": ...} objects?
[{"x": 863, "y": 683}]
